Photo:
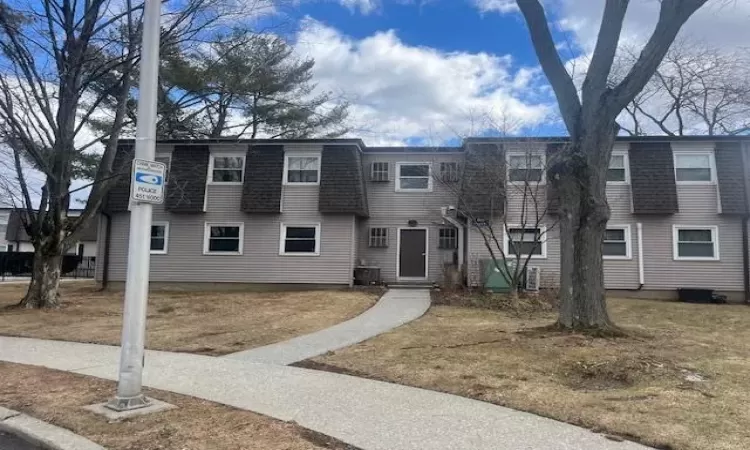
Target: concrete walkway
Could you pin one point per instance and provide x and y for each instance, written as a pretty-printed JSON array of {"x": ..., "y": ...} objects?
[
  {"x": 395, "y": 308},
  {"x": 368, "y": 414}
]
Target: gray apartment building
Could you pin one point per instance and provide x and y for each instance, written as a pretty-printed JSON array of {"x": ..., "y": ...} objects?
[{"x": 309, "y": 212}]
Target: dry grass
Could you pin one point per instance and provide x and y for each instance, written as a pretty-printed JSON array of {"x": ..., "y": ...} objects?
[
  {"x": 211, "y": 323},
  {"x": 679, "y": 380},
  {"x": 58, "y": 397}
]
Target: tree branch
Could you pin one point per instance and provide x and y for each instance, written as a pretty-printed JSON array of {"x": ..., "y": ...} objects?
[
  {"x": 604, "y": 53},
  {"x": 549, "y": 58},
  {"x": 672, "y": 15}
]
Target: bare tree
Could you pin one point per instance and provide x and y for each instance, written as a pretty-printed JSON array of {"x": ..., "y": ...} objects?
[
  {"x": 61, "y": 62},
  {"x": 527, "y": 220},
  {"x": 580, "y": 176},
  {"x": 696, "y": 90},
  {"x": 502, "y": 194}
]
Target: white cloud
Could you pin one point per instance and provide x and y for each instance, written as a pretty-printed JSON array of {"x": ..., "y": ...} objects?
[
  {"x": 718, "y": 23},
  {"x": 501, "y": 6},
  {"x": 364, "y": 6},
  {"x": 400, "y": 92}
]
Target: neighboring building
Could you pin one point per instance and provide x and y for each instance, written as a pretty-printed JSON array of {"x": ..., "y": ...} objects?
[
  {"x": 16, "y": 239},
  {"x": 310, "y": 211}
]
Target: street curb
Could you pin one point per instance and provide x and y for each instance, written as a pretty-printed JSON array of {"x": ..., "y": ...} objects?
[{"x": 42, "y": 433}]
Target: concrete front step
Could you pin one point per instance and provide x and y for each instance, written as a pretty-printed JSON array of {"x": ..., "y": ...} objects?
[{"x": 411, "y": 286}]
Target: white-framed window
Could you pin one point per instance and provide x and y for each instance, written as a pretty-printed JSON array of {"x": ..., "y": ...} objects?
[
  {"x": 448, "y": 238},
  {"x": 695, "y": 243},
  {"x": 526, "y": 167},
  {"x": 526, "y": 241},
  {"x": 300, "y": 239},
  {"x": 449, "y": 172},
  {"x": 413, "y": 177},
  {"x": 223, "y": 238},
  {"x": 619, "y": 169},
  {"x": 302, "y": 169},
  {"x": 379, "y": 171},
  {"x": 617, "y": 242},
  {"x": 378, "y": 237},
  {"x": 159, "y": 238},
  {"x": 694, "y": 167},
  {"x": 226, "y": 168}
]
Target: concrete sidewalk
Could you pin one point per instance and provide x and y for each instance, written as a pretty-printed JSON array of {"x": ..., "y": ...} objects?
[
  {"x": 369, "y": 414},
  {"x": 395, "y": 308}
]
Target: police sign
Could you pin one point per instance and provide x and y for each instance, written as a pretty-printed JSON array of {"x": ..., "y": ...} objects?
[{"x": 147, "y": 181}]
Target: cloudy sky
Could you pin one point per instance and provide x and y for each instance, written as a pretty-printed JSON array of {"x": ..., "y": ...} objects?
[{"x": 431, "y": 71}]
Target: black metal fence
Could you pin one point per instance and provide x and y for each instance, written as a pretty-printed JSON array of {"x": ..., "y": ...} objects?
[{"x": 21, "y": 264}]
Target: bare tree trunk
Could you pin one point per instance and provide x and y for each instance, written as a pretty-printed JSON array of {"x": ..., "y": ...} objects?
[
  {"x": 585, "y": 213},
  {"x": 569, "y": 217},
  {"x": 45, "y": 281}
]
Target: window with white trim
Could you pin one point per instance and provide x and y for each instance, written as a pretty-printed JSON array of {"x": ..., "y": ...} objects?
[
  {"x": 618, "y": 168},
  {"x": 223, "y": 238},
  {"x": 379, "y": 171},
  {"x": 300, "y": 240},
  {"x": 526, "y": 241},
  {"x": 525, "y": 167},
  {"x": 159, "y": 237},
  {"x": 413, "y": 177},
  {"x": 696, "y": 243},
  {"x": 448, "y": 238},
  {"x": 694, "y": 167},
  {"x": 616, "y": 242},
  {"x": 227, "y": 168},
  {"x": 301, "y": 169},
  {"x": 449, "y": 172},
  {"x": 378, "y": 237}
]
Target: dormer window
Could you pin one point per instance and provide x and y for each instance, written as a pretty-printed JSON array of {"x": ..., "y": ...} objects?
[
  {"x": 226, "y": 169},
  {"x": 301, "y": 169}
]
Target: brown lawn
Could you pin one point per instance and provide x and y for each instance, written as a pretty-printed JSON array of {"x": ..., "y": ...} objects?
[
  {"x": 212, "y": 323},
  {"x": 58, "y": 397},
  {"x": 680, "y": 380}
]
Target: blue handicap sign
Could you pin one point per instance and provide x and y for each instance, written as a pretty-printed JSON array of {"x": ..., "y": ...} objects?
[{"x": 148, "y": 178}]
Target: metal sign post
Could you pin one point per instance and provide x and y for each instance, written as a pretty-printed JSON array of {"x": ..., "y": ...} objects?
[{"x": 147, "y": 182}]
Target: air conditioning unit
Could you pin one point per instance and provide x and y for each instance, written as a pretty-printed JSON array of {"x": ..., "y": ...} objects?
[{"x": 533, "y": 278}]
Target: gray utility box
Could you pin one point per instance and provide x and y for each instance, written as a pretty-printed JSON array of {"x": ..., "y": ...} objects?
[{"x": 366, "y": 275}]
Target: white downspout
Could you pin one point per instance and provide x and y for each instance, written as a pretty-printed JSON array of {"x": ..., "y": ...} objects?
[
  {"x": 639, "y": 229},
  {"x": 460, "y": 227}
]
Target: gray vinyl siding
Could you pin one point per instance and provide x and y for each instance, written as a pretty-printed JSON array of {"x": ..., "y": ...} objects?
[
  {"x": 622, "y": 273},
  {"x": 698, "y": 206},
  {"x": 618, "y": 274},
  {"x": 260, "y": 261},
  {"x": 345, "y": 239},
  {"x": 549, "y": 265},
  {"x": 391, "y": 210}
]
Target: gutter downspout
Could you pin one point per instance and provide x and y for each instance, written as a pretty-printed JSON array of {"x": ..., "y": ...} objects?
[
  {"x": 353, "y": 254},
  {"x": 641, "y": 276},
  {"x": 461, "y": 229},
  {"x": 107, "y": 240},
  {"x": 744, "y": 221}
]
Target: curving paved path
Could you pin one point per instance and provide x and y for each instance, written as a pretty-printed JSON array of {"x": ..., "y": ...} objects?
[
  {"x": 368, "y": 414},
  {"x": 395, "y": 308}
]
